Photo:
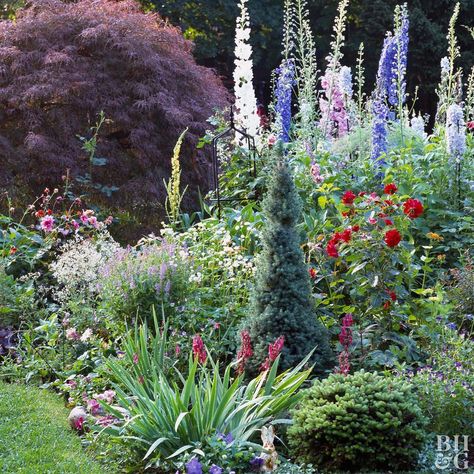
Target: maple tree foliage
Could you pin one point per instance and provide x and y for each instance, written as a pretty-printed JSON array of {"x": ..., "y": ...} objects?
[{"x": 61, "y": 64}]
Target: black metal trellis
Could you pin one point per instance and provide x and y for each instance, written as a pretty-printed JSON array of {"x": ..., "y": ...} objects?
[{"x": 249, "y": 141}]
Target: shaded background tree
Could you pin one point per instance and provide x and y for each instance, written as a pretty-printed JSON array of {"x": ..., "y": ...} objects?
[{"x": 62, "y": 64}]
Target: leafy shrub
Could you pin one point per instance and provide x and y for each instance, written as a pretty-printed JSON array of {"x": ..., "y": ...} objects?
[
  {"x": 169, "y": 419},
  {"x": 358, "y": 422},
  {"x": 445, "y": 385},
  {"x": 221, "y": 276},
  {"x": 136, "y": 279},
  {"x": 281, "y": 302},
  {"x": 461, "y": 294},
  {"x": 17, "y": 300},
  {"x": 77, "y": 59}
]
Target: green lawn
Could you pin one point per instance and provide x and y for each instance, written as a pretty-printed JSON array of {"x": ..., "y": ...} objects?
[{"x": 35, "y": 436}]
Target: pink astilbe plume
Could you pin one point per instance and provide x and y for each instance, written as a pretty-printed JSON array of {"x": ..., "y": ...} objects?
[
  {"x": 245, "y": 352},
  {"x": 199, "y": 349},
  {"x": 273, "y": 352}
]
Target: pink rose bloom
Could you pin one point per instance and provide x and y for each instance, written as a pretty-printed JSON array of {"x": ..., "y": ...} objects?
[{"x": 47, "y": 223}]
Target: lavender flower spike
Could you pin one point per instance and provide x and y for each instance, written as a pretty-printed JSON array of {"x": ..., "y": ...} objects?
[
  {"x": 285, "y": 81},
  {"x": 455, "y": 131}
]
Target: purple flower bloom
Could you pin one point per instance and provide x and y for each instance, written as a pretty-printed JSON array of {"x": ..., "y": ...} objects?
[
  {"x": 399, "y": 62},
  {"x": 193, "y": 467},
  {"x": 227, "y": 438},
  {"x": 256, "y": 464},
  {"x": 379, "y": 130},
  {"x": 215, "y": 469},
  {"x": 285, "y": 81}
]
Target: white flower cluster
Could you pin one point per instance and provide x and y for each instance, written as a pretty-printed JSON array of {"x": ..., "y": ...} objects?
[
  {"x": 78, "y": 266},
  {"x": 455, "y": 131},
  {"x": 417, "y": 124},
  {"x": 245, "y": 100}
]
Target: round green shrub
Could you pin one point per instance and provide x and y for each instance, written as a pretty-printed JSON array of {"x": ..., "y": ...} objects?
[{"x": 358, "y": 422}]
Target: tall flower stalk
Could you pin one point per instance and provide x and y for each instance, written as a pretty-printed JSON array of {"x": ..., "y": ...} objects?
[
  {"x": 334, "y": 64},
  {"x": 450, "y": 75},
  {"x": 245, "y": 100},
  {"x": 283, "y": 94},
  {"x": 397, "y": 92},
  {"x": 305, "y": 67}
]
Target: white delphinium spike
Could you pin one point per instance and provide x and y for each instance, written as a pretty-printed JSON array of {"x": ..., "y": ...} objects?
[
  {"x": 245, "y": 100},
  {"x": 417, "y": 124},
  {"x": 455, "y": 132}
]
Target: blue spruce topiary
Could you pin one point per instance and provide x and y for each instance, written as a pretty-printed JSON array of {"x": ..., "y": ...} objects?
[{"x": 281, "y": 301}]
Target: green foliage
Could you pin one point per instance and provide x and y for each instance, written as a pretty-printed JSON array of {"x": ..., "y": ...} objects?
[
  {"x": 445, "y": 386},
  {"x": 281, "y": 303},
  {"x": 136, "y": 279},
  {"x": 35, "y": 436},
  {"x": 169, "y": 419},
  {"x": 17, "y": 299},
  {"x": 358, "y": 422}
]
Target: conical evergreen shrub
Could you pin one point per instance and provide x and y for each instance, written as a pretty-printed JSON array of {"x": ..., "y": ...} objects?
[{"x": 281, "y": 302}]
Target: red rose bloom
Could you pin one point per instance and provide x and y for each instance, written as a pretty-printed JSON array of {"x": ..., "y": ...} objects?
[
  {"x": 355, "y": 228},
  {"x": 470, "y": 125},
  {"x": 413, "y": 208},
  {"x": 331, "y": 249},
  {"x": 388, "y": 202},
  {"x": 388, "y": 222},
  {"x": 348, "y": 198},
  {"x": 390, "y": 188},
  {"x": 312, "y": 272},
  {"x": 392, "y": 237},
  {"x": 392, "y": 294},
  {"x": 346, "y": 235},
  {"x": 387, "y": 305}
]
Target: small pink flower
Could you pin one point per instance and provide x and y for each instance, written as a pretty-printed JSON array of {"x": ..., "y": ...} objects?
[
  {"x": 72, "y": 334},
  {"x": 84, "y": 218},
  {"x": 79, "y": 423},
  {"x": 217, "y": 326},
  {"x": 135, "y": 359},
  {"x": 93, "y": 222},
  {"x": 109, "y": 220},
  {"x": 71, "y": 383},
  {"x": 75, "y": 224},
  {"x": 177, "y": 350},
  {"x": 372, "y": 220},
  {"x": 47, "y": 223},
  {"x": 108, "y": 396},
  {"x": 272, "y": 140},
  {"x": 93, "y": 406},
  {"x": 106, "y": 420}
]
